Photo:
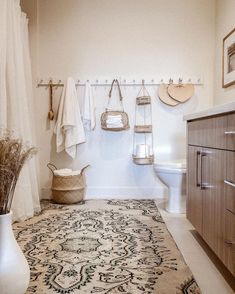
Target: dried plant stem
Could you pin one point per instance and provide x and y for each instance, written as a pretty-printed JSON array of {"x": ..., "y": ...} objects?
[{"x": 13, "y": 156}]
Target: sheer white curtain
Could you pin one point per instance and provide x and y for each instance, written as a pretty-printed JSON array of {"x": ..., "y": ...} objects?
[{"x": 16, "y": 99}]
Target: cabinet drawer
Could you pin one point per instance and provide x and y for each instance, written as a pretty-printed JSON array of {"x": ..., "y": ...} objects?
[
  {"x": 230, "y": 131},
  {"x": 230, "y": 181},
  {"x": 208, "y": 132},
  {"x": 230, "y": 241}
]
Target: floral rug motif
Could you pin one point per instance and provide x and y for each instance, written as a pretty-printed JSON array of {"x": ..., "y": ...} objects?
[{"x": 103, "y": 246}]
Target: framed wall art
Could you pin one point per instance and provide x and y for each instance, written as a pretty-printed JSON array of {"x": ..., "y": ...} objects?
[{"x": 229, "y": 59}]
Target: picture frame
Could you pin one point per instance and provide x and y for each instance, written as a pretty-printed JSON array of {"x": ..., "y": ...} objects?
[{"x": 228, "y": 68}]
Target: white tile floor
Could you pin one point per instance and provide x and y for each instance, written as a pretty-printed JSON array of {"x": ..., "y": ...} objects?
[{"x": 206, "y": 273}]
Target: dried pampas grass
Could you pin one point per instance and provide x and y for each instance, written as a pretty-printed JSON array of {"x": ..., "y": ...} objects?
[{"x": 13, "y": 155}]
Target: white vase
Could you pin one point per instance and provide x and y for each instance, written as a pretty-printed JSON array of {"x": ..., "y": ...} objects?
[{"x": 14, "y": 269}]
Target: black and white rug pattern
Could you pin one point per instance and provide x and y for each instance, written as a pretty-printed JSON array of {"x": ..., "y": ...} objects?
[{"x": 103, "y": 246}]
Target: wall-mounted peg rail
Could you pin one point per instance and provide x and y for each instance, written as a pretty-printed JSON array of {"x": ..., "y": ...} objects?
[
  {"x": 51, "y": 83},
  {"x": 125, "y": 81}
]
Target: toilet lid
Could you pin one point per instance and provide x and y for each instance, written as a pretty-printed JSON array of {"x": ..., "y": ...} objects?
[{"x": 177, "y": 164}]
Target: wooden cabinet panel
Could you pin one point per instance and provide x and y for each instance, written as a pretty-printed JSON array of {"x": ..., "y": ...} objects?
[
  {"x": 208, "y": 132},
  {"x": 229, "y": 259},
  {"x": 213, "y": 173},
  {"x": 231, "y": 132},
  {"x": 230, "y": 181},
  {"x": 194, "y": 193}
]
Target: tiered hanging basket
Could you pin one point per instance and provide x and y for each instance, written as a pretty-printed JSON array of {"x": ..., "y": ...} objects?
[
  {"x": 143, "y": 129},
  {"x": 68, "y": 189}
]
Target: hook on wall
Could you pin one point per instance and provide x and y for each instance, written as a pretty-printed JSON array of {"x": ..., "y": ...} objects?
[
  {"x": 180, "y": 81},
  {"x": 50, "y": 83},
  {"x": 58, "y": 84},
  {"x": 39, "y": 83},
  {"x": 171, "y": 81}
]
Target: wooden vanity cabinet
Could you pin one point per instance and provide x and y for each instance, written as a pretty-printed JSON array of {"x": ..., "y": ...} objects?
[{"x": 211, "y": 184}]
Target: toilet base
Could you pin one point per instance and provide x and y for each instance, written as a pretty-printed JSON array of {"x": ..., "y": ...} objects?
[{"x": 176, "y": 201}]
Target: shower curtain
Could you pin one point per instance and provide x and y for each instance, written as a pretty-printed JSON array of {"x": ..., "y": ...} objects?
[{"x": 16, "y": 100}]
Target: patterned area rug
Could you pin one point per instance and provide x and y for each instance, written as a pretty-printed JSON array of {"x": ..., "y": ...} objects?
[{"x": 103, "y": 246}]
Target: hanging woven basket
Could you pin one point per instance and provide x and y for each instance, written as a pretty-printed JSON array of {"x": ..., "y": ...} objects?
[
  {"x": 143, "y": 100},
  {"x": 68, "y": 189},
  {"x": 143, "y": 128},
  {"x": 125, "y": 120},
  {"x": 143, "y": 160},
  {"x": 112, "y": 114}
]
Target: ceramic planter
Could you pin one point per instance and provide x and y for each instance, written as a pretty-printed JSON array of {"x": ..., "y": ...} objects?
[{"x": 14, "y": 269}]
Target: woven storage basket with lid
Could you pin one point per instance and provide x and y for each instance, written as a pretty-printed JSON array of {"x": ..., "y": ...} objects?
[{"x": 68, "y": 189}]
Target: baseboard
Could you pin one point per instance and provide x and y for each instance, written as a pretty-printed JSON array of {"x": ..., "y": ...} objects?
[
  {"x": 125, "y": 192},
  {"x": 45, "y": 193},
  {"x": 118, "y": 193}
]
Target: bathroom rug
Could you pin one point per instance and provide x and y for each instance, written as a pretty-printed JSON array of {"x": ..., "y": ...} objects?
[{"x": 103, "y": 246}]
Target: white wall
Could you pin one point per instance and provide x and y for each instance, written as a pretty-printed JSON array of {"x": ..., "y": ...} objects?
[
  {"x": 134, "y": 38},
  {"x": 225, "y": 22}
]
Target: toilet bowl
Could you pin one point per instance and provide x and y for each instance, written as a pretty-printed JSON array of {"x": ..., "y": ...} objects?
[{"x": 173, "y": 175}]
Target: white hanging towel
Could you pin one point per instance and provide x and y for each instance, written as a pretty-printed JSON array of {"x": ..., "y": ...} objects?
[
  {"x": 69, "y": 129},
  {"x": 88, "y": 111},
  {"x": 65, "y": 172},
  {"x": 114, "y": 119}
]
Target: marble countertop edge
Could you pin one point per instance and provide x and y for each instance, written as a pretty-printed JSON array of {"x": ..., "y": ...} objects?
[{"x": 214, "y": 110}]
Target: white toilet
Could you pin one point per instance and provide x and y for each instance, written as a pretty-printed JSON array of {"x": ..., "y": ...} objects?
[{"x": 173, "y": 175}]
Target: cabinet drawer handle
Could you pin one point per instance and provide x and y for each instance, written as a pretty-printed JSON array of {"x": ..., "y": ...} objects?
[
  {"x": 228, "y": 242},
  {"x": 198, "y": 184},
  {"x": 230, "y": 183},
  {"x": 229, "y": 133},
  {"x": 203, "y": 185}
]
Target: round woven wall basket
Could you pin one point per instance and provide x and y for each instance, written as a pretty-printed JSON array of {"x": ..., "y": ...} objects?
[{"x": 68, "y": 189}]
